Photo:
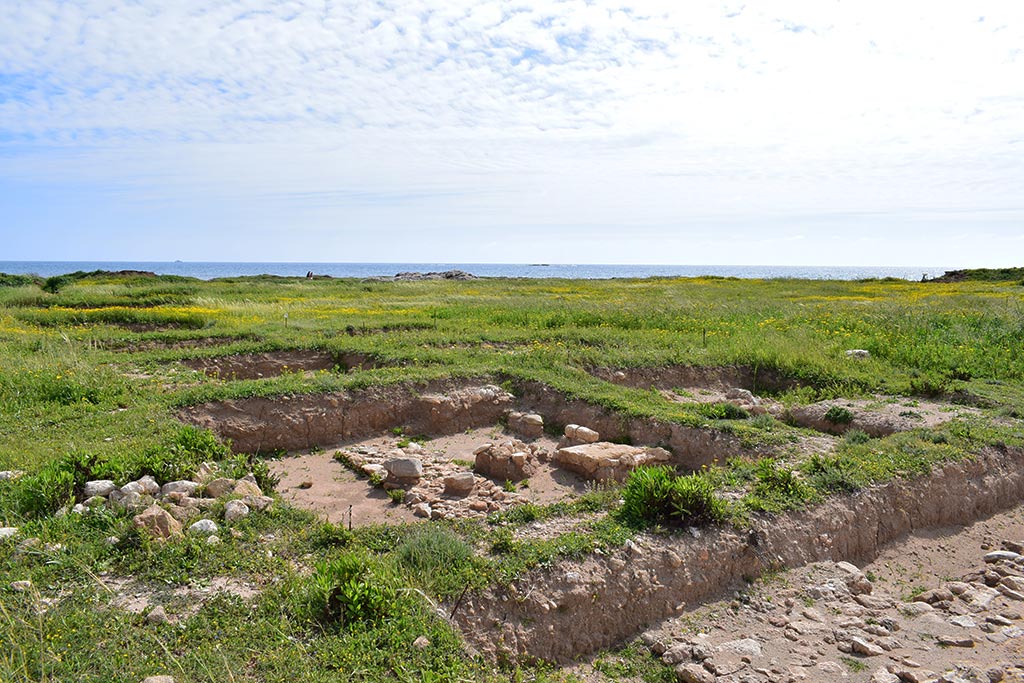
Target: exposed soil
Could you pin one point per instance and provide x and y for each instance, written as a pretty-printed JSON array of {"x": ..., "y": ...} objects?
[
  {"x": 699, "y": 377},
  {"x": 319, "y": 482},
  {"x": 800, "y": 625},
  {"x": 179, "y": 602},
  {"x": 136, "y": 346},
  {"x": 879, "y": 417},
  {"x": 274, "y": 363},
  {"x": 304, "y": 422},
  {"x": 617, "y": 596}
]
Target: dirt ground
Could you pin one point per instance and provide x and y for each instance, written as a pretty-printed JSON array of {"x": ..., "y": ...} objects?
[
  {"x": 799, "y": 625},
  {"x": 317, "y": 481}
]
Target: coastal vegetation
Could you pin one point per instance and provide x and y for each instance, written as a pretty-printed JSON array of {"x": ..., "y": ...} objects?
[{"x": 94, "y": 373}]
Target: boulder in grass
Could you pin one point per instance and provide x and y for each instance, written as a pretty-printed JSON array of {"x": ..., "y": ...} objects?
[
  {"x": 235, "y": 510},
  {"x": 157, "y": 522},
  {"x": 244, "y": 488},
  {"x": 203, "y": 527},
  {"x": 98, "y": 487},
  {"x": 220, "y": 487}
]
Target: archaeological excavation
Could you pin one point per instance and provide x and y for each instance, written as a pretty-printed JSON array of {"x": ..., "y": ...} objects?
[
  {"x": 480, "y": 440},
  {"x": 659, "y": 481}
]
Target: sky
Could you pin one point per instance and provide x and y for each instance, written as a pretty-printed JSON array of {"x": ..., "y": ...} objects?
[{"x": 817, "y": 132}]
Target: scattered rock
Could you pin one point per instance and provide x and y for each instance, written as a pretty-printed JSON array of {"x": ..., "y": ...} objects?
[
  {"x": 21, "y": 586},
  {"x": 158, "y": 679},
  {"x": 157, "y": 522},
  {"x": 580, "y": 435},
  {"x": 245, "y": 487},
  {"x": 693, "y": 673},
  {"x": 404, "y": 470},
  {"x": 865, "y": 648},
  {"x": 204, "y": 527},
  {"x": 182, "y": 486},
  {"x": 421, "y": 643},
  {"x": 98, "y": 487},
  {"x": 603, "y": 461},
  {"x": 8, "y": 532},
  {"x": 219, "y": 487},
  {"x": 157, "y": 615},
  {"x": 858, "y": 354},
  {"x": 421, "y": 510},
  {"x": 530, "y": 425},
  {"x": 460, "y": 484},
  {"x": 235, "y": 510},
  {"x": 508, "y": 461}
]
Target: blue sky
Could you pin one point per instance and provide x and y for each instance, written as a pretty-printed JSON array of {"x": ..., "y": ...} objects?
[{"x": 820, "y": 132}]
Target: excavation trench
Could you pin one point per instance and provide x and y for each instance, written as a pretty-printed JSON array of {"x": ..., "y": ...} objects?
[
  {"x": 579, "y": 607},
  {"x": 274, "y": 363},
  {"x": 710, "y": 377},
  {"x": 439, "y": 408}
]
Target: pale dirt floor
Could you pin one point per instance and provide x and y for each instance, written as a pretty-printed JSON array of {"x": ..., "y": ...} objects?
[{"x": 798, "y": 624}]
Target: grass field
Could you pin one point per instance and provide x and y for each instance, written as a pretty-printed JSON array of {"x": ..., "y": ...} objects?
[{"x": 91, "y": 378}]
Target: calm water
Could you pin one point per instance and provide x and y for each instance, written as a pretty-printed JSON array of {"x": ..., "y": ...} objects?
[{"x": 207, "y": 271}]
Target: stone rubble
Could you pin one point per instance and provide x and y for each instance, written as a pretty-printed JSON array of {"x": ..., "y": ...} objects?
[
  {"x": 437, "y": 488},
  {"x": 828, "y": 621},
  {"x": 603, "y": 461},
  {"x": 162, "y": 511}
]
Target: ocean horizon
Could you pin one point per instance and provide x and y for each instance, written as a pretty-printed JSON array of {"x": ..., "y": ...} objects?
[{"x": 222, "y": 269}]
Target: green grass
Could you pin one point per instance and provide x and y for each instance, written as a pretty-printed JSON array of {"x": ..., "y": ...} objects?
[{"x": 91, "y": 382}]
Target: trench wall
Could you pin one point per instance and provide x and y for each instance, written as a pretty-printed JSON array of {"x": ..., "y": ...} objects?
[{"x": 580, "y": 607}]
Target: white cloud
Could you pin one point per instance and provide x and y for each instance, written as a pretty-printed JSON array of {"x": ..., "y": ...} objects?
[{"x": 533, "y": 114}]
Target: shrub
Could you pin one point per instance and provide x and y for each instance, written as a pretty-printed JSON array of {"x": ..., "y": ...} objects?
[
  {"x": 856, "y": 436},
  {"x": 329, "y": 535},
  {"x": 8, "y": 280},
  {"x": 647, "y": 496},
  {"x": 657, "y": 495},
  {"x": 839, "y": 415},
  {"x": 778, "y": 488},
  {"x": 723, "y": 411},
  {"x": 831, "y": 473},
  {"x": 345, "y": 591},
  {"x": 437, "y": 558},
  {"x": 694, "y": 501}
]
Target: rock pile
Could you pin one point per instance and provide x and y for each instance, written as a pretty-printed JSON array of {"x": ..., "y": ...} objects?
[
  {"x": 745, "y": 399},
  {"x": 529, "y": 425},
  {"x": 442, "y": 490},
  {"x": 575, "y": 434},
  {"x": 603, "y": 461},
  {"x": 510, "y": 460},
  {"x": 163, "y": 509}
]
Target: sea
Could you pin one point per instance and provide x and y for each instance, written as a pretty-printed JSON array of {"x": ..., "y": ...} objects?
[{"x": 587, "y": 271}]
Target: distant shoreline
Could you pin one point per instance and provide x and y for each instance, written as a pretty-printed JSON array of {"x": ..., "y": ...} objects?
[{"x": 212, "y": 270}]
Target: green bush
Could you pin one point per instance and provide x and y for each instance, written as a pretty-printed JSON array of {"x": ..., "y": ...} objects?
[
  {"x": 839, "y": 415},
  {"x": 647, "y": 496},
  {"x": 832, "y": 473},
  {"x": 778, "y": 488},
  {"x": 723, "y": 411},
  {"x": 657, "y": 495},
  {"x": 436, "y": 558},
  {"x": 694, "y": 501},
  {"x": 345, "y": 591},
  {"x": 856, "y": 436},
  {"x": 8, "y": 280}
]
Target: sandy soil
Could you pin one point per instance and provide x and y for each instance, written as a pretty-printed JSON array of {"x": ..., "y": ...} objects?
[
  {"x": 318, "y": 482},
  {"x": 795, "y": 627}
]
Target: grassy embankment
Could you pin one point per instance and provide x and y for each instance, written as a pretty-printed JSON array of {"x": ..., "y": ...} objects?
[{"x": 89, "y": 384}]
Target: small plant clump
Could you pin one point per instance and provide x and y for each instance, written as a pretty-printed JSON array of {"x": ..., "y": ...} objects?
[
  {"x": 839, "y": 415},
  {"x": 657, "y": 495}
]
